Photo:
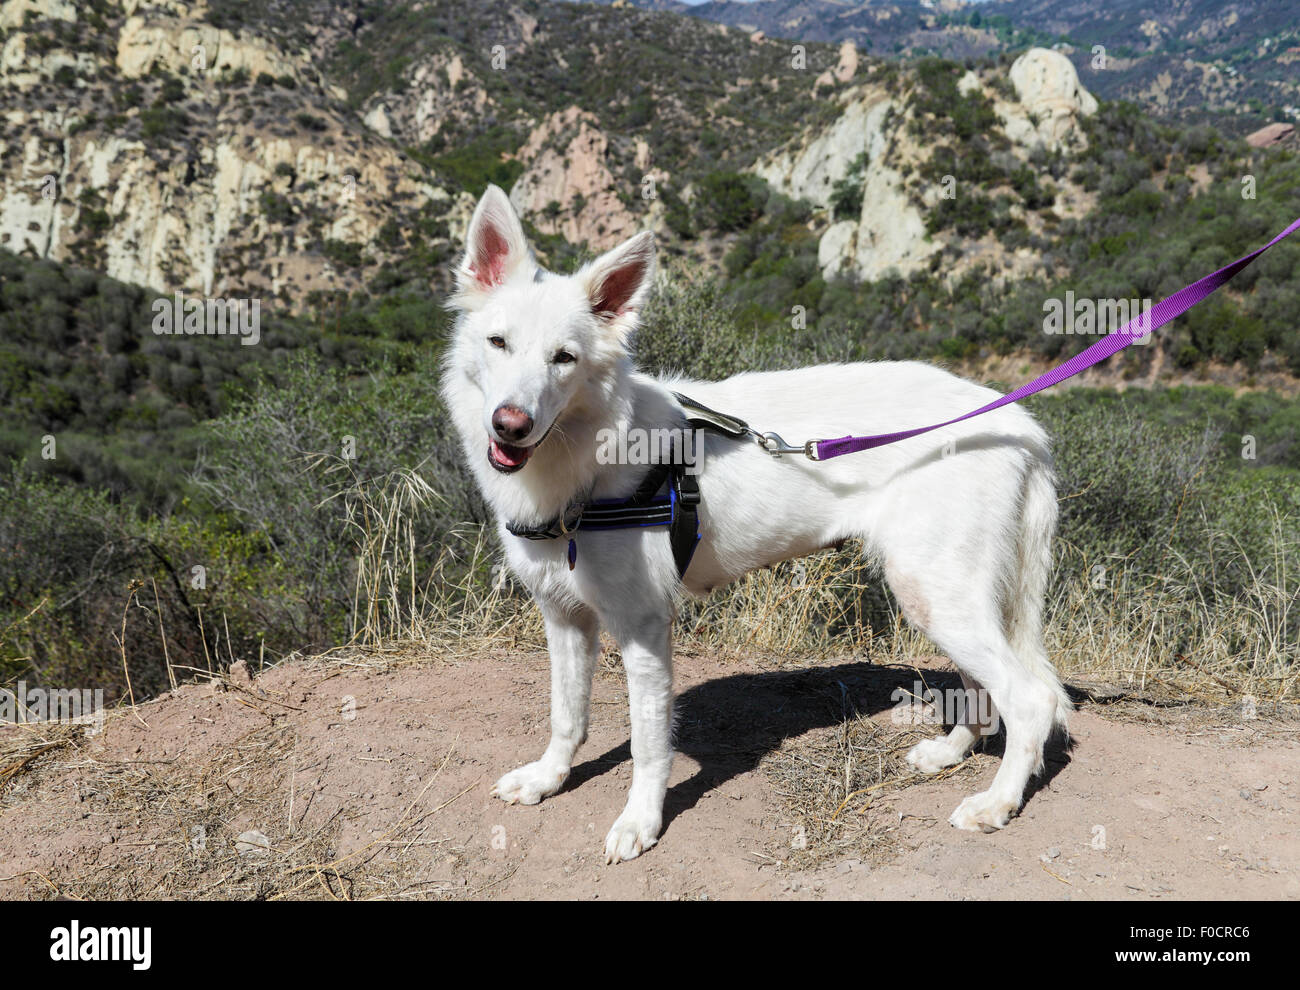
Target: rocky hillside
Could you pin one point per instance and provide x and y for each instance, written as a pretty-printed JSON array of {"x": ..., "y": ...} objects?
[
  {"x": 332, "y": 149},
  {"x": 1226, "y": 58},
  {"x": 901, "y": 159},
  {"x": 1230, "y": 60},
  {"x": 288, "y": 148},
  {"x": 147, "y": 142},
  {"x": 599, "y": 120}
]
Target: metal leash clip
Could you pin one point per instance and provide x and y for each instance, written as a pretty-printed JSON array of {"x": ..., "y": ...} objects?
[{"x": 774, "y": 445}]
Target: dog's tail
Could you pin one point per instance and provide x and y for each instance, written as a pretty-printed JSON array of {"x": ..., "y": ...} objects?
[{"x": 1033, "y": 572}]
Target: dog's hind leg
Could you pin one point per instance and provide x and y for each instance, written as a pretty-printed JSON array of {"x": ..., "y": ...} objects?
[
  {"x": 1027, "y": 707},
  {"x": 955, "y": 570},
  {"x": 967, "y": 626},
  {"x": 573, "y": 638},
  {"x": 969, "y": 722},
  {"x": 1002, "y": 647},
  {"x": 974, "y": 718}
]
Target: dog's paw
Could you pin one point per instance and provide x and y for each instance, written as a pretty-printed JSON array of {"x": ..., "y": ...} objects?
[
  {"x": 630, "y": 837},
  {"x": 982, "y": 813},
  {"x": 529, "y": 784},
  {"x": 934, "y": 755}
]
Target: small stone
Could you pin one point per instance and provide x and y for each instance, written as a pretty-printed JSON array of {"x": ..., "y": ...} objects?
[
  {"x": 1053, "y": 853},
  {"x": 1245, "y": 794},
  {"x": 252, "y": 843}
]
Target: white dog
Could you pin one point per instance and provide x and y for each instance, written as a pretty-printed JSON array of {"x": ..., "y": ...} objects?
[{"x": 961, "y": 518}]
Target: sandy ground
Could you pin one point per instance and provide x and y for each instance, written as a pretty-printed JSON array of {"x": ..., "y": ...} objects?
[{"x": 1154, "y": 803}]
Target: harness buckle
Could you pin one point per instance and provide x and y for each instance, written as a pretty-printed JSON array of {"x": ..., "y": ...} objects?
[{"x": 687, "y": 488}]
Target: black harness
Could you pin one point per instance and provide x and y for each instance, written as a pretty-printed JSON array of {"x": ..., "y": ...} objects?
[{"x": 668, "y": 495}]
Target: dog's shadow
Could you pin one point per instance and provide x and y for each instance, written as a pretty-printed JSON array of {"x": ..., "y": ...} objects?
[{"x": 729, "y": 724}]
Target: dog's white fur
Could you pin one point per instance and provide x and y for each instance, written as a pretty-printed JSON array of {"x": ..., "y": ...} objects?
[{"x": 961, "y": 518}]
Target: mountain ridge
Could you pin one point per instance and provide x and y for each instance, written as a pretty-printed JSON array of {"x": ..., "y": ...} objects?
[{"x": 1234, "y": 62}]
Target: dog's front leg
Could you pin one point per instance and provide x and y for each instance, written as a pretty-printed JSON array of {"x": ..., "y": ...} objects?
[
  {"x": 573, "y": 638},
  {"x": 647, "y": 658}
]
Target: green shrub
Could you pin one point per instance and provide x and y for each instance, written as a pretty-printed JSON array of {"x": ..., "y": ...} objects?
[
  {"x": 277, "y": 208},
  {"x": 727, "y": 201},
  {"x": 846, "y": 194}
]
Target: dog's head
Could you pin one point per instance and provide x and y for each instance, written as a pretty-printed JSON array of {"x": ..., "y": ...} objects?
[{"x": 530, "y": 344}]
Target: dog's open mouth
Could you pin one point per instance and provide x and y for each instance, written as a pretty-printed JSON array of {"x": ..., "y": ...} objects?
[{"x": 507, "y": 457}]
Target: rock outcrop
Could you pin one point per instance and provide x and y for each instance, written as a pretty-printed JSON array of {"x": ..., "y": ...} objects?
[
  {"x": 180, "y": 46},
  {"x": 872, "y": 145},
  {"x": 210, "y": 180},
  {"x": 440, "y": 90},
  {"x": 1270, "y": 134},
  {"x": 868, "y": 141},
  {"x": 567, "y": 187},
  {"x": 1049, "y": 101},
  {"x": 15, "y": 13}
]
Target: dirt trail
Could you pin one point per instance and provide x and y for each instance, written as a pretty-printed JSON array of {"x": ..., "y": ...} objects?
[{"x": 1185, "y": 806}]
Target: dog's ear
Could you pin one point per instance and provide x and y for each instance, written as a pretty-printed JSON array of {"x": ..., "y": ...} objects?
[
  {"x": 618, "y": 282},
  {"x": 494, "y": 248}
]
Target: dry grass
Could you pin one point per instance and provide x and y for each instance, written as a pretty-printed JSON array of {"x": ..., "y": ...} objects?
[
  {"x": 1179, "y": 630},
  {"x": 382, "y": 515},
  {"x": 24, "y": 745},
  {"x": 185, "y": 818},
  {"x": 811, "y": 606},
  {"x": 1188, "y": 628},
  {"x": 832, "y": 784},
  {"x": 463, "y": 596}
]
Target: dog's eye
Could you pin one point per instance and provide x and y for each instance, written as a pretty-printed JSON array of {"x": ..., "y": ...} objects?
[
  {"x": 563, "y": 357},
  {"x": 497, "y": 341}
]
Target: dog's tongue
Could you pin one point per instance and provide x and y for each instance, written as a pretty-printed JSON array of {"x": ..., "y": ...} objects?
[{"x": 508, "y": 455}]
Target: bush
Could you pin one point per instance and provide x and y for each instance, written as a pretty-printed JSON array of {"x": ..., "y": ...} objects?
[
  {"x": 846, "y": 194},
  {"x": 277, "y": 209},
  {"x": 161, "y": 121},
  {"x": 727, "y": 201},
  {"x": 345, "y": 253}
]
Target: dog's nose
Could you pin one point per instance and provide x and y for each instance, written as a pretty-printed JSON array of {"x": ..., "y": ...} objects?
[{"x": 511, "y": 423}]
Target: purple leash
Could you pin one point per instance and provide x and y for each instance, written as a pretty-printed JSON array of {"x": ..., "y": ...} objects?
[{"x": 1164, "y": 311}]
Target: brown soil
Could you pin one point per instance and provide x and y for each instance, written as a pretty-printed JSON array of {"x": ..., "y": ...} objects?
[{"x": 386, "y": 795}]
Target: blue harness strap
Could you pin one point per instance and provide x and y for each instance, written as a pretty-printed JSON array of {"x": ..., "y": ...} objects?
[
  {"x": 624, "y": 513},
  {"x": 677, "y": 508}
]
